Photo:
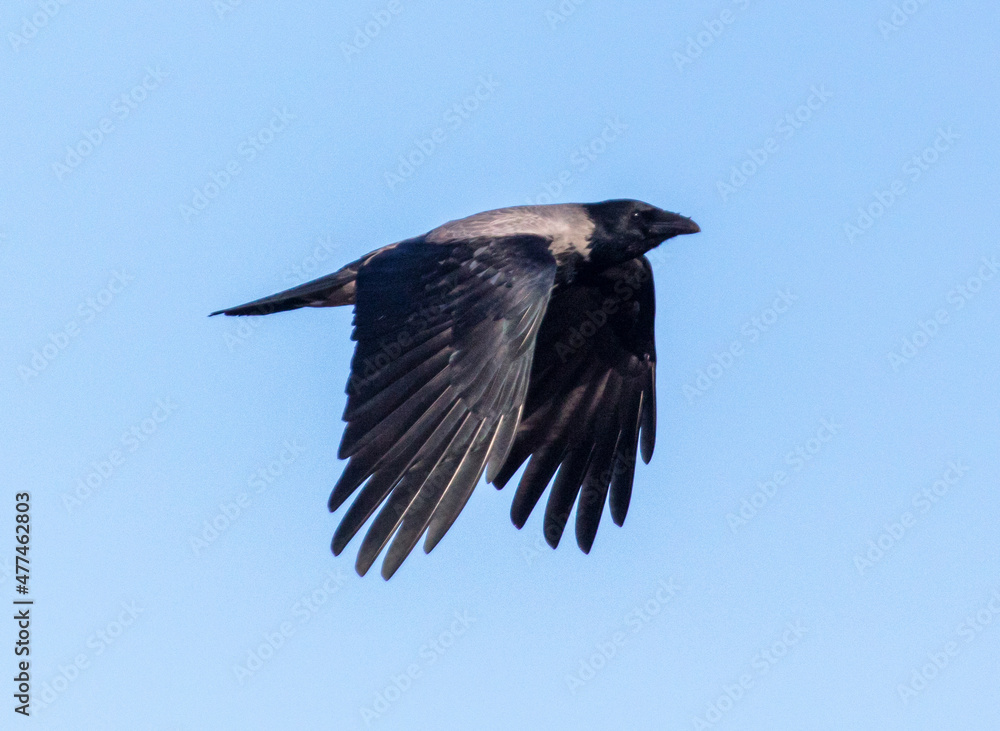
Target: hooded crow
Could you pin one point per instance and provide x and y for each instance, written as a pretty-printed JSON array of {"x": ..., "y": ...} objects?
[{"x": 518, "y": 335}]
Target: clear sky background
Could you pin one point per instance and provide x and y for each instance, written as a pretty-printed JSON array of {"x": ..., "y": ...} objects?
[{"x": 847, "y": 356}]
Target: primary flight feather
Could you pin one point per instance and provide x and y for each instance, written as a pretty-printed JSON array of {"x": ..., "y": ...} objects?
[{"x": 514, "y": 335}]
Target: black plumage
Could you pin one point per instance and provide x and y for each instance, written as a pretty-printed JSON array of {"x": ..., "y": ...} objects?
[{"x": 517, "y": 335}]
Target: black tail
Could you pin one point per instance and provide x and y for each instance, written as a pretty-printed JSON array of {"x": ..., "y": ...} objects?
[{"x": 332, "y": 290}]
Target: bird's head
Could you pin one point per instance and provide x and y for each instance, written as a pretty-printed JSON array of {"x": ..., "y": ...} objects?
[{"x": 625, "y": 229}]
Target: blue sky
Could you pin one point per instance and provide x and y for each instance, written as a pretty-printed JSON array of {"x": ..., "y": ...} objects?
[{"x": 814, "y": 543}]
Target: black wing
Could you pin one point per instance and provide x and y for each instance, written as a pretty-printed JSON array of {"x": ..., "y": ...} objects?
[
  {"x": 445, "y": 335},
  {"x": 592, "y": 389}
]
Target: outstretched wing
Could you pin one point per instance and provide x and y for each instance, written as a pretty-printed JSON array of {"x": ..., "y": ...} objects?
[
  {"x": 445, "y": 336},
  {"x": 592, "y": 390}
]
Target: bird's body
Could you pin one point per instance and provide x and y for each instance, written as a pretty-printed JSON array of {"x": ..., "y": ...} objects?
[{"x": 518, "y": 333}]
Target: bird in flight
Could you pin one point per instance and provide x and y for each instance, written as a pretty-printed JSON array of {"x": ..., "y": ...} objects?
[{"x": 513, "y": 335}]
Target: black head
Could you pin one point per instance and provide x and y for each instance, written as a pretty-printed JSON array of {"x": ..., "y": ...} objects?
[{"x": 625, "y": 229}]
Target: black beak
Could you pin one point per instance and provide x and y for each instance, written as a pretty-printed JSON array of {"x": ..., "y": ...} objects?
[{"x": 670, "y": 224}]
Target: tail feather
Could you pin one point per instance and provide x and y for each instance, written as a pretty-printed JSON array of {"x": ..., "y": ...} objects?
[{"x": 333, "y": 290}]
